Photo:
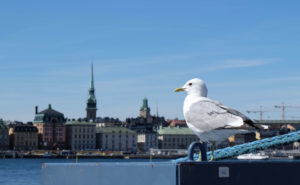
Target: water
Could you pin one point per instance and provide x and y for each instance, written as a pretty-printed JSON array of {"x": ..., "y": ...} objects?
[{"x": 28, "y": 171}]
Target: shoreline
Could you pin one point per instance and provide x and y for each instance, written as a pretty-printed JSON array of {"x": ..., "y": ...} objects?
[{"x": 16, "y": 155}]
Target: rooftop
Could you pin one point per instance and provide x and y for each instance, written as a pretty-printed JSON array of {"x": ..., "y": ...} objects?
[
  {"x": 175, "y": 131},
  {"x": 50, "y": 111},
  {"x": 114, "y": 129},
  {"x": 80, "y": 123},
  {"x": 25, "y": 128},
  {"x": 278, "y": 121}
]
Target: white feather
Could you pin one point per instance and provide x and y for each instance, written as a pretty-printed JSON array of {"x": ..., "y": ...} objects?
[{"x": 208, "y": 119}]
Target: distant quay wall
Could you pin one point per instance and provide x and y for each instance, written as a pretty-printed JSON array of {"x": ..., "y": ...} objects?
[{"x": 49, "y": 154}]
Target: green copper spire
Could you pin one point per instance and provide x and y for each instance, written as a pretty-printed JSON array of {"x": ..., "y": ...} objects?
[
  {"x": 92, "y": 76},
  {"x": 145, "y": 104},
  {"x": 145, "y": 110},
  {"x": 91, "y": 104}
]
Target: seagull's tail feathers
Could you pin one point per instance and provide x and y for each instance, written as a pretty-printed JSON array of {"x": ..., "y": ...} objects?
[{"x": 253, "y": 124}]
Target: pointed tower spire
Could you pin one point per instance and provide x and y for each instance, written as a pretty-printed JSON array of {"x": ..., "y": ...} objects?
[
  {"x": 92, "y": 76},
  {"x": 91, "y": 104}
]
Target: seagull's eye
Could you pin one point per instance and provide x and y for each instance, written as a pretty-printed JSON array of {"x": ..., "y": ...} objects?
[{"x": 190, "y": 84}]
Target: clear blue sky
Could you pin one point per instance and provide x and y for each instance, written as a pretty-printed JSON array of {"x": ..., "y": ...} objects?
[{"x": 246, "y": 51}]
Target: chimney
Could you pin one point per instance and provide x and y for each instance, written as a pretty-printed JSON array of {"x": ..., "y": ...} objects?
[{"x": 36, "y": 109}]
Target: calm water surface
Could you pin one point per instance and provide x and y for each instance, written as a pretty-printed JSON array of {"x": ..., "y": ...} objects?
[{"x": 28, "y": 171}]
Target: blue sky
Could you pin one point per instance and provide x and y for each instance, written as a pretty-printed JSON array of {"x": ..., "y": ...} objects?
[{"x": 246, "y": 51}]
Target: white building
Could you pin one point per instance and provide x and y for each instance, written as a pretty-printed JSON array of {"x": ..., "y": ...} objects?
[
  {"x": 116, "y": 139},
  {"x": 175, "y": 137},
  {"x": 146, "y": 141},
  {"x": 81, "y": 135}
]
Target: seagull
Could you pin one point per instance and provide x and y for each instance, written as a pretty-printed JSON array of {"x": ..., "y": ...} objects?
[{"x": 210, "y": 120}]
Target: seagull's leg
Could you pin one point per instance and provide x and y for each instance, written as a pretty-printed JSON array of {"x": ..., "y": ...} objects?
[
  {"x": 199, "y": 155},
  {"x": 213, "y": 144}
]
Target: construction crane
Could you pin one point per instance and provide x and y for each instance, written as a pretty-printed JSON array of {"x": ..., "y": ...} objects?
[
  {"x": 283, "y": 108},
  {"x": 260, "y": 111}
]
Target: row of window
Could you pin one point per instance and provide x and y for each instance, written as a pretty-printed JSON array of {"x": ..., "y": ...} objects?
[
  {"x": 59, "y": 139},
  {"x": 19, "y": 139},
  {"x": 119, "y": 143},
  {"x": 84, "y": 142},
  {"x": 26, "y": 143},
  {"x": 3, "y": 136},
  {"x": 84, "y": 130},
  {"x": 113, "y": 135},
  {"x": 57, "y": 134},
  {"x": 179, "y": 139},
  {"x": 83, "y": 136},
  {"x": 49, "y": 129}
]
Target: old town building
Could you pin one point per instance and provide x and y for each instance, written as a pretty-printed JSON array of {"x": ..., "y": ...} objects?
[
  {"x": 146, "y": 141},
  {"x": 4, "y": 139},
  {"x": 175, "y": 137},
  {"x": 176, "y": 123},
  {"x": 51, "y": 128},
  {"x": 116, "y": 139},
  {"x": 146, "y": 127},
  {"x": 23, "y": 137},
  {"x": 80, "y": 135},
  {"x": 145, "y": 122}
]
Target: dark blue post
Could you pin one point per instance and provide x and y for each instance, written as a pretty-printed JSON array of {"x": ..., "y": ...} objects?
[{"x": 202, "y": 147}]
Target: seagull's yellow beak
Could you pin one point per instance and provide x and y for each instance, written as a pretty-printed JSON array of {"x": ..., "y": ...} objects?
[{"x": 179, "y": 89}]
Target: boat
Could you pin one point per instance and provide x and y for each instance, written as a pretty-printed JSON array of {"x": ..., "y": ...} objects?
[{"x": 252, "y": 156}]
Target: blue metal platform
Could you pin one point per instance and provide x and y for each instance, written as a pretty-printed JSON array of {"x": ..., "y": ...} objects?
[
  {"x": 267, "y": 172},
  {"x": 184, "y": 171}
]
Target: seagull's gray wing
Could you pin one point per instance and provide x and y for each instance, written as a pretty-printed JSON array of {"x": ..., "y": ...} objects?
[
  {"x": 246, "y": 120},
  {"x": 206, "y": 115}
]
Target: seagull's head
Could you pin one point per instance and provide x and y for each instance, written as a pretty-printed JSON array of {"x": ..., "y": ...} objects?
[{"x": 194, "y": 86}]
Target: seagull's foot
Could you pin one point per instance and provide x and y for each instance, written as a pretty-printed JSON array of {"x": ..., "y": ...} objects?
[
  {"x": 212, "y": 158},
  {"x": 199, "y": 157},
  {"x": 213, "y": 150}
]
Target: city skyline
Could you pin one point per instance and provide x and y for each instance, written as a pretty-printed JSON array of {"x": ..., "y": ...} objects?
[{"x": 246, "y": 52}]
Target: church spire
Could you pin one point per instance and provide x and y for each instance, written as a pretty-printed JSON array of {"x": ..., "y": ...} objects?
[
  {"x": 92, "y": 76},
  {"x": 91, "y": 104}
]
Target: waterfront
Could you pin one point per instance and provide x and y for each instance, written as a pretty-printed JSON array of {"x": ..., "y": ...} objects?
[{"x": 28, "y": 171}]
